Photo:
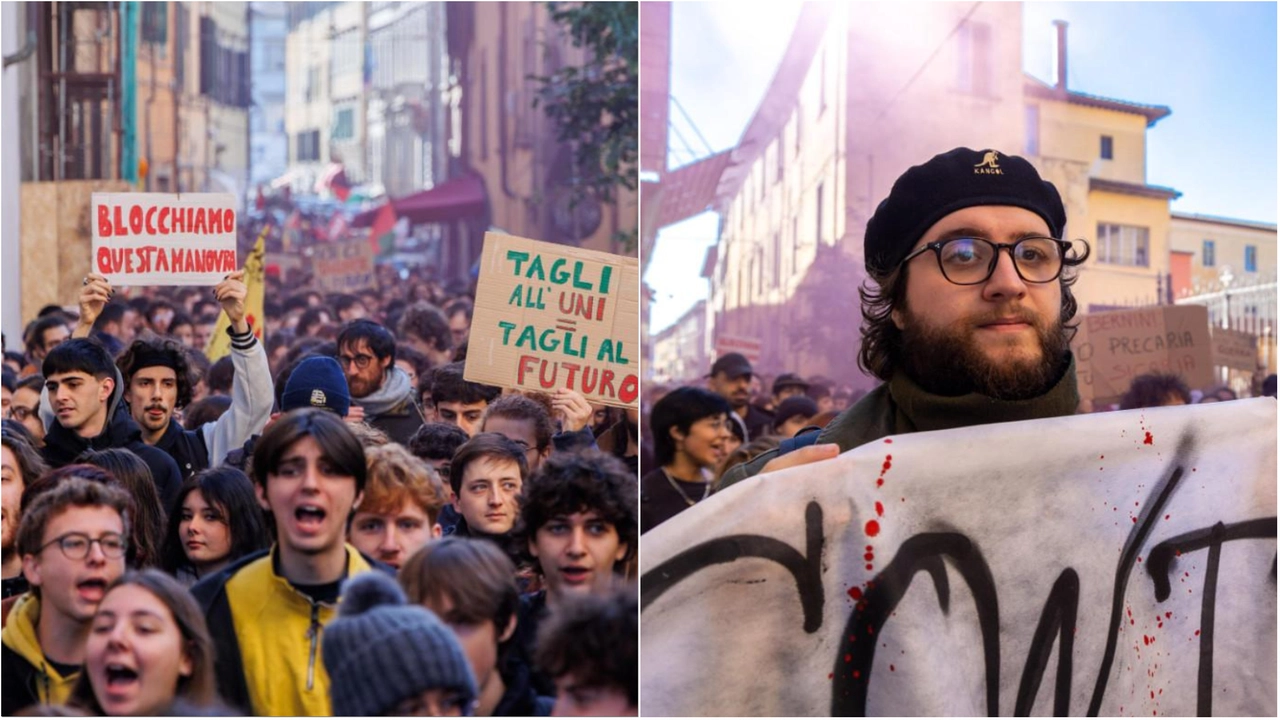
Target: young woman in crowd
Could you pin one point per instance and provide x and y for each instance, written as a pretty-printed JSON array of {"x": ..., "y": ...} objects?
[
  {"x": 693, "y": 431},
  {"x": 217, "y": 521},
  {"x": 148, "y": 647}
]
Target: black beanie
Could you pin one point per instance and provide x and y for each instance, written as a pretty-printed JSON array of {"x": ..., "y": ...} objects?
[{"x": 949, "y": 182}]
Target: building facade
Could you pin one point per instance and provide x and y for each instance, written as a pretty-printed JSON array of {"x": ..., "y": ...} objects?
[
  {"x": 268, "y": 140},
  {"x": 679, "y": 351}
]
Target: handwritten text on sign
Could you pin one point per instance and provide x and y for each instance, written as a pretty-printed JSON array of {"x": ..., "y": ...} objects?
[
  {"x": 164, "y": 239},
  {"x": 1110, "y": 564},
  {"x": 1112, "y": 348},
  {"x": 552, "y": 316},
  {"x": 343, "y": 266}
]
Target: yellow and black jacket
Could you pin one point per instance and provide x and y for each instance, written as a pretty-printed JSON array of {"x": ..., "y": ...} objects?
[
  {"x": 28, "y": 679},
  {"x": 267, "y": 635}
]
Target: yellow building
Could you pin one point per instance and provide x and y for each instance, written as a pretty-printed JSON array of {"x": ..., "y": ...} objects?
[{"x": 1204, "y": 247}]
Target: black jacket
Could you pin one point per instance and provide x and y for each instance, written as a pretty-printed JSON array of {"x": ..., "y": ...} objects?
[
  {"x": 186, "y": 447},
  {"x": 521, "y": 698},
  {"x": 62, "y": 447}
]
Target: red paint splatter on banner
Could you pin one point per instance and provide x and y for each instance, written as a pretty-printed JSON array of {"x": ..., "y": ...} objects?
[
  {"x": 1197, "y": 633},
  {"x": 1153, "y": 694},
  {"x": 892, "y": 668},
  {"x": 1148, "y": 439},
  {"x": 879, "y": 482},
  {"x": 1146, "y": 640},
  {"x": 871, "y": 629},
  {"x": 879, "y": 509},
  {"x": 869, "y": 568},
  {"x": 856, "y": 674},
  {"x": 848, "y": 658},
  {"x": 855, "y": 593},
  {"x": 869, "y": 557},
  {"x": 1166, "y": 517},
  {"x": 831, "y": 676},
  {"x": 1168, "y": 615},
  {"x": 888, "y": 441},
  {"x": 872, "y": 528},
  {"x": 869, "y": 548}
]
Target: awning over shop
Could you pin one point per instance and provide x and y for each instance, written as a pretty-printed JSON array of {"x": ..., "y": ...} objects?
[{"x": 454, "y": 199}]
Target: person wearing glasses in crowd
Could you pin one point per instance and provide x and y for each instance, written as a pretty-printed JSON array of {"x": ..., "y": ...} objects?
[
  {"x": 966, "y": 315},
  {"x": 367, "y": 354},
  {"x": 73, "y": 544}
]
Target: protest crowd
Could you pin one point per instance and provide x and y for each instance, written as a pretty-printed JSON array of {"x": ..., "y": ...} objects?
[{"x": 315, "y": 514}]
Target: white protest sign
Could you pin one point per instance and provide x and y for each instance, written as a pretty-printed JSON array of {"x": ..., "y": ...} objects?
[
  {"x": 551, "y": 316},
  {"x": 164, "y": 239},
  {"x": 1110, "y": 564}
]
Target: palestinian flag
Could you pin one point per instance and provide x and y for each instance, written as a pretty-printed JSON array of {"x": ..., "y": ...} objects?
[{"x": 382, "y": 234}]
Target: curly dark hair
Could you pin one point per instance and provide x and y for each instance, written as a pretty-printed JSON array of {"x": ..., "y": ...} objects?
[
  {"x": 567, "y": 483},
  {"x": 425, "y": 321},
  {"x": 882, "y": 293},
  {"x": 1153, "y": 389},
  {"x": 174, "y": 354},
  {"x": 596, "y": 640}
]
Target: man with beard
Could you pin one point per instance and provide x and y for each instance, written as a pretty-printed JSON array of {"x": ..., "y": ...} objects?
[
  {"x": 966, "y": 321},
  {"x": 158, "y": 380},
  {"x": 367, "y": 354},
  {"x": 730, "y": 378}
]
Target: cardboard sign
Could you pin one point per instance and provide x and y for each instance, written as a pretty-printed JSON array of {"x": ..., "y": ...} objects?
[
  {"x": 551, "y": 316},
  {"x": 1110, "y": 564},
  {"x": 1112, "y": 348},
  {"x": 343, "y": 266},
  {"x": 749, "y": 347},
  {"x": 1235, "y": 349},
  {"x": 164, "y": 239}
]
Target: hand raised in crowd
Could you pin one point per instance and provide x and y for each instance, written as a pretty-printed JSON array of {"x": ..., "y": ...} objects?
[
  {"x": 93, "y": 297},
  {"x": 572, "y": 409},
  {"x": 231, "y": 293},
  {"x": 802, "y": 456},
  {"x": 355, "y": 414}
]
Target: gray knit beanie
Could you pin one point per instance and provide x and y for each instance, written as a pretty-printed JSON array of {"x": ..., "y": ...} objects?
[{"x": 381, "y": 650}]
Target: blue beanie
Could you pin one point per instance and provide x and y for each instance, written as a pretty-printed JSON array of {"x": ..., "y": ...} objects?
[{"x": 317, "y": 382}]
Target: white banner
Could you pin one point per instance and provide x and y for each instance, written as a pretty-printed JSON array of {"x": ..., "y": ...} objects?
[{"x": 1110, "y": 564}]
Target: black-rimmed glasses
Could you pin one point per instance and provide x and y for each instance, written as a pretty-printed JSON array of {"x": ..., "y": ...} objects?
[
  {"x": 76, "y": 545},
  {"x": 361, "y": 361},
  {"x": 971, "y": 261}
]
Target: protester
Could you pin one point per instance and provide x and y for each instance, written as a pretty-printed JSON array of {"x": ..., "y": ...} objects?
[
  {"x": 487, "y": 475},
  {"x": 960, "y": 332},
  {"x": 20, "y": 466},
  {"x": 435, "y": 443},
  {"x": 217, "y": 521},
  {"x": 458, "y": 401},
  {"x": 147, "y": 516},
  {"x": 470, "y": 585},
  {"x": 148, "y": 647},
  {"x": 730, "y": 378},
  {"x": 622, "y": 440},
  {"x": 787, "y": 385},
  {"x": 578, "y": 518},
  {"x": 590, "y": 646},
  {"x": 1155, "y": 390},
  {"x": 267, "y": 611},
  {"x": 527, "y": 422},
  {"x": 25, "y": 407},
  {"x": 72, "y": 542},
  {"x": 387, "y": 657},
  {"x": 398, "y": 513},
  {"x": 424, "y": 328},
  {"x": 45, "y": 334},
  {"x": 459, "y": 313},
  {"x": 690, "y": 433},
  {"x": 793, "y": 415},
  {"x": 367, "y": 353},
  {"x": 158, "y": 381},
  {"x": 84, "y": 389}
]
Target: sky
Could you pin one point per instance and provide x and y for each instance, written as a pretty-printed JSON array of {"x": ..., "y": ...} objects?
[{"x": 1212, "y": 63}]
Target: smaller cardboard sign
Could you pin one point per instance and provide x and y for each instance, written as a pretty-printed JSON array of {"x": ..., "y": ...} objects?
[
  {"x": 343, "y": 266},
  {"x": 553, "y": 316},
  {"x": 163, "y": 239},
  {"x": 1235, "y": 349},
  {"x": 1112, "y": 348},
  {"x": 749, "y": 347}
]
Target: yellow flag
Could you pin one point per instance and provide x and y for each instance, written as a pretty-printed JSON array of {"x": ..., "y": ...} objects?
[{"x": 255, "y": 281}]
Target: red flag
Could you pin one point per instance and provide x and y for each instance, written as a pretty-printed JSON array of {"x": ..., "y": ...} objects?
[{"x": 380, "y": 233}]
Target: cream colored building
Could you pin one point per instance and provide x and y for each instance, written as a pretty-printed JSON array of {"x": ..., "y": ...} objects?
[{"x": 1205, "y": 247}]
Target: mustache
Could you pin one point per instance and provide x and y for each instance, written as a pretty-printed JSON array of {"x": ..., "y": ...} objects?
[{"x": 1021, "y": 314}]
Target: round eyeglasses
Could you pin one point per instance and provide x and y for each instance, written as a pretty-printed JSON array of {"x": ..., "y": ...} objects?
[
  {"x": 971, "y": 261},
  {"x": 76, "y": 546}
]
